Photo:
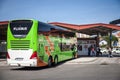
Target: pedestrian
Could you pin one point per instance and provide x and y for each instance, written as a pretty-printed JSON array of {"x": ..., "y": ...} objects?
[
  {"x": 74, "y": 50},
  {"x": 89, "y": 50},
  {"x": 75, "y": 47},
  {"x": 93, "y": 51},
  {"x": 99, "y": 51},
  {"x": 110, "y": 52}
]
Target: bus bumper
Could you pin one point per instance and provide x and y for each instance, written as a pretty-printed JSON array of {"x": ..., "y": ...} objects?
[{"x": 29, "y": 63}]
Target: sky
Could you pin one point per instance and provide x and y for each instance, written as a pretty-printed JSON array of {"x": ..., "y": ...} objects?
[{"x": 66, "y": 11}]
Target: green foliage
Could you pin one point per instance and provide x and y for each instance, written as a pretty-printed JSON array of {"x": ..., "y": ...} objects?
[
  {"x": 103, "y": 46},
  {"x": 113, "y": 38},
  {"x": 107, "y": 38}
]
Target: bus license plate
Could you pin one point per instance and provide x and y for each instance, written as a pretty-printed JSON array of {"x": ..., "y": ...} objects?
[{"x": 19, "y": 59}]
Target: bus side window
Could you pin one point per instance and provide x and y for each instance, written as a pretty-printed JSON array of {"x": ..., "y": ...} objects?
[{"x": 60, "y": 45}]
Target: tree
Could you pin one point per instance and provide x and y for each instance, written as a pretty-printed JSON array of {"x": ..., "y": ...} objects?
[{"x": 113, "y": 39}]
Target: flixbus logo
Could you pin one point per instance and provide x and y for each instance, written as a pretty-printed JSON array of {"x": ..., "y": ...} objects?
[{"x": 20, "y": 28}]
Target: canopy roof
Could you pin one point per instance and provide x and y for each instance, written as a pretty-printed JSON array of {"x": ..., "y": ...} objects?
[
  {"x": 3, "y": 22},
  {"x": 90, "y": 29}
]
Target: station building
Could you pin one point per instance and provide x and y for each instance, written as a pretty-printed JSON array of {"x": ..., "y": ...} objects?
[{"x": 84, "y": 32}]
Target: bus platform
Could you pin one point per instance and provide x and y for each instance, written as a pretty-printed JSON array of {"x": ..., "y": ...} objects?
[{"x": 3, "y": 62}]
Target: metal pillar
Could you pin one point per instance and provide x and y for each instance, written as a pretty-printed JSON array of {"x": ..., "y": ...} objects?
[
  {"x": 110, "y": 37},
  {"x": 98, "y": 39}
]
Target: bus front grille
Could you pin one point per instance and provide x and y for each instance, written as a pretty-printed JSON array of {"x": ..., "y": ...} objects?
[{"x": 20, "y": 44}]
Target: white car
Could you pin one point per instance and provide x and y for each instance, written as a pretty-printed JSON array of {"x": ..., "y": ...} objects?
[
  {"x": 103, "y": 50},
  {"x": 116, "y": 50}
]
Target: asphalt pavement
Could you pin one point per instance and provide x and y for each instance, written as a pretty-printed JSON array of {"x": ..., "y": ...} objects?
[
  {"x": 62, "y": 72},
  {"x": 82, "y": 68}
]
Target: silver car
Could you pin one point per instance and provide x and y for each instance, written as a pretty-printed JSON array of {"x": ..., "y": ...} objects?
[{"x": 116, "y": 50}]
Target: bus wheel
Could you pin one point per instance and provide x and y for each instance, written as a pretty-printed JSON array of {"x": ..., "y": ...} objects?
[
  {"x": 49, "y": 62},
  {"x": 55, "y": 60}
]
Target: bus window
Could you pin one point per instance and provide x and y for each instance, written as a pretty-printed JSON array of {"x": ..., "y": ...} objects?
[
  {"x": 45, "y": 27},
  {"x": 20, "y": 28}
]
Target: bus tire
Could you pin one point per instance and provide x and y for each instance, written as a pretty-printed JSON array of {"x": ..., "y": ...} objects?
[
  {"x": 50, "y": 62},
  {"x": 55, "y": 60}
]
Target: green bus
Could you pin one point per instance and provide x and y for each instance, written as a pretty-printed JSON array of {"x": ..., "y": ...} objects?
[{"x": 34, "y": 43}]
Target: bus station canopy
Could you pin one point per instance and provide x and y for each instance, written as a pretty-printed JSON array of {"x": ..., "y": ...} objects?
[
  {"x": 60, "y": 32},
  {"x": 90, "y": 29},
  {"x": 3, "y": 22}
]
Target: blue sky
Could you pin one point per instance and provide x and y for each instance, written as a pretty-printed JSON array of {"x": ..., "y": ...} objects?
[{"x": 67, "y": 11}]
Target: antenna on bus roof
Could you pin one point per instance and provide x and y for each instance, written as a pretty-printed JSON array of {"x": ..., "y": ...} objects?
[{"x": 47, "y": 21}]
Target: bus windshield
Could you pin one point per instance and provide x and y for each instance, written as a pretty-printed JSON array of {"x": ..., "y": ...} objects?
[{"x": 20, "y": 28}]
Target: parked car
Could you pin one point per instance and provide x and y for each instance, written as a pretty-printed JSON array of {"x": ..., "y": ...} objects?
[
  {"x": 103, "y": 50},
  {"x": 116, "y": 50}
]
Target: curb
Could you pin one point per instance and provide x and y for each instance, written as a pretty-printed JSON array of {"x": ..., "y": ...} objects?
[
  {"x": 88, "y": 61},
  {"x": 81, "y": 61},
  {"x": 2, "y": 60}
]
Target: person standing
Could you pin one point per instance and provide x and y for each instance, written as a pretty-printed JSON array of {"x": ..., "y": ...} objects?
[
  {"x": 110, "y": 52},
  {"x": 74, "y": 49},
  {"x": 98, "y": 52},
  {"x": 93, "y": 51},
  {"x": 89, "y": 50}
]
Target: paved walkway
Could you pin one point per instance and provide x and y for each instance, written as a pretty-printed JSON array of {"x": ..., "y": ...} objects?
[
  {"x": 3, "y": 62},
  {"x": 95, "y": 60},
  {"x": 107, "y": 60},
  {"x": 82, "y": 60}
]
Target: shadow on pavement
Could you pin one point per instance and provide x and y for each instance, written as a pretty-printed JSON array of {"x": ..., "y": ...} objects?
[
  {"x": 28, "y": 68},
  {"x": 37, "y": 68}
]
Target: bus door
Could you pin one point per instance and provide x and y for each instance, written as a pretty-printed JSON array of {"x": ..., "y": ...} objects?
[{"x": 41, "y": 50}]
